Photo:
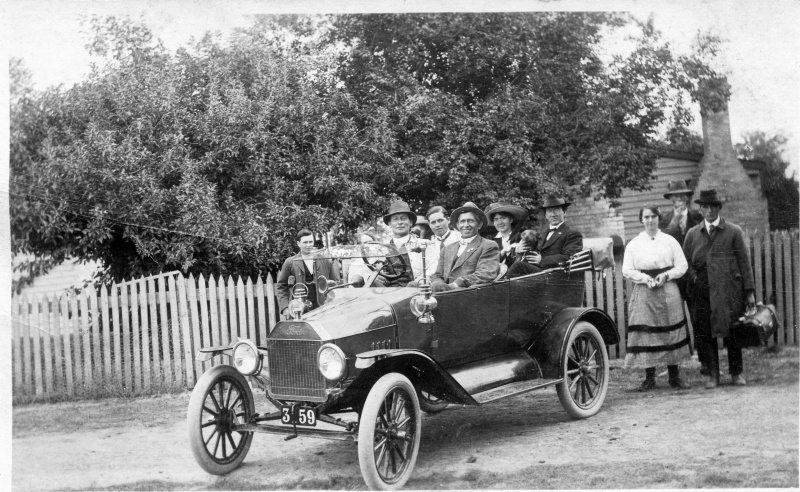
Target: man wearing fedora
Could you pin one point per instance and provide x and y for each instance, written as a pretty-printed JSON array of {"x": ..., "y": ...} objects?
[
  {"x": 557, "y": 244},
  {"x": 472, "y": 260},
  {"x": 401, "y": 269},
  {"x": 720, "y": 283},
  {"x": 677, "y": 223}
]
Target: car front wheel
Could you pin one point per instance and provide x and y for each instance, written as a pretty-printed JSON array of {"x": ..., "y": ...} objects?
[
  {"x": 584, "y": 372},
  {"x": 389, "y": 433},
  {"x": 220, "y": 399}
]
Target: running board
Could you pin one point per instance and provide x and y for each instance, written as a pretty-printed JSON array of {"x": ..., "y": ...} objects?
[{"x": 513, "y": 389}]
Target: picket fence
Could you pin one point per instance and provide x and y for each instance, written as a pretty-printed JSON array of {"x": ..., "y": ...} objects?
[
  {"x": 139, "y": 335},
  {"x": 142, "y": 335}
]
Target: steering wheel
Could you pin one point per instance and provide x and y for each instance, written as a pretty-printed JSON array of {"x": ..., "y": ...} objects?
[{"x": 379, "y": 272}]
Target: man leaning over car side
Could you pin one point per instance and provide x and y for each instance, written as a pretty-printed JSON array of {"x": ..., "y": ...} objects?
[
  {"x": 305, "y": 269},
  {"x": 472, "y": 260}
]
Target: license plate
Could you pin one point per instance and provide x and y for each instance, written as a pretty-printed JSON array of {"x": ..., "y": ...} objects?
[{"x": 298, "y": 415}]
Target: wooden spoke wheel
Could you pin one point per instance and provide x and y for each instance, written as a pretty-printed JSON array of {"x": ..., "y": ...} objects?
[
  {"x": 389, "y": 433},
  {"x": 220, "y": 399},
  {"x": 584, "y": 371}
]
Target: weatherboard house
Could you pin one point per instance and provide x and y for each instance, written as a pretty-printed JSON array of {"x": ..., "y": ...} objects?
[{"x": 737, "y": 181}]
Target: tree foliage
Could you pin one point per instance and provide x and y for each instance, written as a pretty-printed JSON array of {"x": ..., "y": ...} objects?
[
  {"x": 782, "y": 191},
  {"x": 208, "y": 159}
]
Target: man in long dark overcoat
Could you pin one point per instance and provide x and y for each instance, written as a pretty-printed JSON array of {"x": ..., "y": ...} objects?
[{"x": 720, "y": 282}]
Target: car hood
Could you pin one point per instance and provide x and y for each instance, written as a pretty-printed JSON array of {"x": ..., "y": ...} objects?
[{"x": 353, "y": 312}]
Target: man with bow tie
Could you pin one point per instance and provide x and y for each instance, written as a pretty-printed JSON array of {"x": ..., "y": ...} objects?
[
  {"x": 472, "y": 260},
  {"x": 720, "y": 283},
  {"x": 556, "y": 245}
]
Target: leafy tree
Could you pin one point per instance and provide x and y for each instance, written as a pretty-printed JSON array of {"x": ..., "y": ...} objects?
[
  {"x": 513, "y": 106},
  {"x": 208, "y": 159},
  {"x": 782, "y": 191}
]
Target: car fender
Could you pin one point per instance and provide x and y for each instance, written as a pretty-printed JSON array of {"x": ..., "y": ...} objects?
[
  {"x": 208, "y": 353},
  {"x": 419, "y": 367},
  {"x": 548, "y": 347}
]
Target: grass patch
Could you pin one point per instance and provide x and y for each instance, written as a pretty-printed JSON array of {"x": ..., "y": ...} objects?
[{"x": 100, "y": 389}]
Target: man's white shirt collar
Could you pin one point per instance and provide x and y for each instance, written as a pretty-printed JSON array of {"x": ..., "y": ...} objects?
[
  {"x": 553, "y": 228},
  {"x": 708, "y": 224},
  {"x": 465, "y": 242},
  {"x": 401, "y": 241}
]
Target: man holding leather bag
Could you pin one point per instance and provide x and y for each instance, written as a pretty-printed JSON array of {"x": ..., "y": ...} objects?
[{"x": 720, "y": 283}]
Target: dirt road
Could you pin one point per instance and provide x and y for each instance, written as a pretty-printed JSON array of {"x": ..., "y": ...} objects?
[{"x": 730, "y": 437}]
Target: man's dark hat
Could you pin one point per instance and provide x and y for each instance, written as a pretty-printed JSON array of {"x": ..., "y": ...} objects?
[
  {"x": 678, "y": 187},
  {"x": 515, "y": 211},
  {"x": 708, "y": 197},
  {"x": 555, "y": 200},
  {"x": 468, "y": 207},
  {"x": 399, "y": 207}
]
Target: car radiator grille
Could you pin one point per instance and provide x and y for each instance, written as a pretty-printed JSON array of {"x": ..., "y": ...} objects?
[{"x": 293, "y": 370}]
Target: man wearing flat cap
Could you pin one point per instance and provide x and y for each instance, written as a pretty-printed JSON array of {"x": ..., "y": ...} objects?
[
  {"x": 681, "y": 218},
  {"x": 557, "y": 244},
  {"x": 720, "y": 283},
  {"x": 472, "y": 260},
  {"x": 400, "y": 270},
  {"x": 677, "y": 223}
]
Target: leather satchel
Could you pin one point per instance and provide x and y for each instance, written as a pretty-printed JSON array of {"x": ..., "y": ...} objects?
[{"x": 756, "y": 329}]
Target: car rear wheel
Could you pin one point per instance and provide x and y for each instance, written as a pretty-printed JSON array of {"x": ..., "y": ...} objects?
[
  {"x": 389, "y": 433},
  {"x": 584, "y": 371},
  {"x": 220, "y": 399},
  {"x": 429, "y": 403}
]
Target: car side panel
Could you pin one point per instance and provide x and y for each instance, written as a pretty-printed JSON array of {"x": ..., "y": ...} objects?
[{"x": 411, "y": 334}]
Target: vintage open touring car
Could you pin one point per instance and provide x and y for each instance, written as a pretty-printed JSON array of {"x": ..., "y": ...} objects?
[{"x": 384, "y": 354}]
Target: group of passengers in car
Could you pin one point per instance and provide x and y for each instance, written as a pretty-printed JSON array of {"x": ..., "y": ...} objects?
[{"x": 457, "y": 256}]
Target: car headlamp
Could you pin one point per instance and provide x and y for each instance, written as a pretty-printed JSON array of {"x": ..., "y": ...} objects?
[
  {"x": 332, "y": 362},
  {"x": 246, "y": 358}
]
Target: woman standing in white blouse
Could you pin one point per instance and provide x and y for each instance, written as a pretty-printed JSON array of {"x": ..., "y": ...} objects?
[{"x": 656, "y": 322}]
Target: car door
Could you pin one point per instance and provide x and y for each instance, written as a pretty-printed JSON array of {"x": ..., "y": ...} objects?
[
  {"x": 471, "y": 324},
  {"x": 534, "y": 299}
]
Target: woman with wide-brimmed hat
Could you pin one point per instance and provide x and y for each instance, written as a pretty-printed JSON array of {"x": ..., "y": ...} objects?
[{"x": 508, "y": 221}]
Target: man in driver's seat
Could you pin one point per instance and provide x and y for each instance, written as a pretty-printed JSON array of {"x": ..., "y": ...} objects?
[
  {"x": 471, "y": 261},
  {"x": 399, "y": 270}
]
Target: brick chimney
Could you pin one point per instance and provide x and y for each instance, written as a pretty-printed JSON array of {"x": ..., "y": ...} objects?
[{"x": 744, "y": 204}]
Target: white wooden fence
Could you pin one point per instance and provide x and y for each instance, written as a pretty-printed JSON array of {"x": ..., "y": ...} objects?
[{"x": 139, "y": 335}]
